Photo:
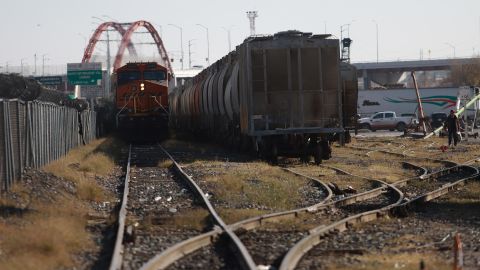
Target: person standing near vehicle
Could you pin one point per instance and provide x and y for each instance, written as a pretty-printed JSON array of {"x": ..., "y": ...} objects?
[{"x": 453, "y": 126}]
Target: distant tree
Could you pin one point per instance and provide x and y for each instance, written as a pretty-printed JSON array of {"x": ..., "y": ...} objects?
[{"x": 466, "y": 74}]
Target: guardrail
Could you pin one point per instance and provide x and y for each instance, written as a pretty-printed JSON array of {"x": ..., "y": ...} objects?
[{"x": 32, "y": 134}]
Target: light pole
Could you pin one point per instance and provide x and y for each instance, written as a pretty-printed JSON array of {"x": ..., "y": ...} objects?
[
  {"x": 325, "y": 24},
  {"x": 107, "y": 78},
  {"x": 229, "y": 39},
  {"x": 6, "y": 67},
  {"x": 376, "y": 25},
  {"x": 43, "y": 63},
  {"x": 21, "y": 66},
  {"x": 35, "y": 60},
  {"x": 190, "y": 53},
  {"x": 208, "y": 44},
  {"x": 181, "y": 41},
  {"x": 451, "y": 46}
]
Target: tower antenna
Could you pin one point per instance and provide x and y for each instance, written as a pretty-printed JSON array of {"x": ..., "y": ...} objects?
[{"x": 251, "y": 15}]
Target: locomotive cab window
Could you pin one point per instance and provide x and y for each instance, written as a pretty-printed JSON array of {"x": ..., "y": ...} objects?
[
  {"x": 154, "y": 75},
  {"x": 128, "y": 76}
]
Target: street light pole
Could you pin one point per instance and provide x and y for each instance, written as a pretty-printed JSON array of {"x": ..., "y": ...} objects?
[
  {"x": 451, "y": 46},
  {"x": 35, "y": 58},
  {"x": 208, "y": 44},
  {"x": 43, "y": 64},
  {"x": 181, "y": 41},
  {"x": 229, "y": 39},
  {"x": 21, "y": 66},
  {"x": 190, "y": 53},
  {"x": 376, "y": 25}
]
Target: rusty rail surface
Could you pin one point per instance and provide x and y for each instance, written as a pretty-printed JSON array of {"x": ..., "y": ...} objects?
[
  {"x": 295, "y": 254},
  {"x": 167, "y": 257},
  {"x": 240, "y": 251},
  {"x": 176, "y": 252},
  {"x": 117, "y": 258}
]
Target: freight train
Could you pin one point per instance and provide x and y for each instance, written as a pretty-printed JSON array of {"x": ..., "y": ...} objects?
[
  {"x": 282, "y": 95},
  {"x": 141, "y": 99}
]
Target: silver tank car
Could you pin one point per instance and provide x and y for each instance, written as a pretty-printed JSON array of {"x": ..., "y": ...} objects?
[{"x": 281, "y": 95}]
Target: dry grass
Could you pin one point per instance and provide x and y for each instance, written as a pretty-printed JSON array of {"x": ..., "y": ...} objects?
[
  {"x": 406, "y": 261},
  {"x": 328, "y": 175},
  {"x": 44, "y": 239},
  {"x": 165, "y": 164},
  {"x": 50, "y": 233},
  {"x": 83, "y": 164},
  {"x": 257, "y": 184},
  {"x": 429, "y": 148},
  {"x": 377, "y": 166},
  {"x": 230, "y": 215},
  {"x": 196, "y": 219}
]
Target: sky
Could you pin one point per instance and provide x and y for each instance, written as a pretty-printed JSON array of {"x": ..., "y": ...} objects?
[{"x": 57, "y": 30}]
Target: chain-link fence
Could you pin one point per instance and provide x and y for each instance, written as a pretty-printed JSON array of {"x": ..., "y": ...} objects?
[{"x": 33, "y": 134}]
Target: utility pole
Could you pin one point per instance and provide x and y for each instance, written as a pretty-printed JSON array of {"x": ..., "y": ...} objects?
[
  {"x": 208, "y": 44},
  {"x": 35, "y": 58},
  {"x": 43, "y": 64},
  {"x": 376, "y": 25},
  {"x": 107, "y": 78},
  {"x": 453, "y": 47},
  {"x": 181, "y": 41},
  {"x": 229, "y": 39},
  {"x": 21, "y": 66},
  {"x": 190, "y": 53}
]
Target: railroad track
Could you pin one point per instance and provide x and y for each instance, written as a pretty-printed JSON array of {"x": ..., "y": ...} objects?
[
  {"x": 306, "y": 225},
  {"x": 267, "y": 241},
  {"x": 451, "y": 177},
  {"x": 157, "y": 201}
]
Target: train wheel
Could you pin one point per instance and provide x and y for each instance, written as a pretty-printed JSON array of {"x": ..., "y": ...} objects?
[
  {"x": 318, "y": 154},
  {"x": 274, "y": 153},
  {"x": 304, "y": 157}
]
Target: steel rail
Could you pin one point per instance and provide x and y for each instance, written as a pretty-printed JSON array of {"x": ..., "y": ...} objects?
[
  {"x": 117, "y": 257},
  {"x": 403, "y": 155},
  {"x": 241, "y": 252},
  {"x": 295, "y": 254},
  {"x": 176, "y": 252},
  {"x": 167, "y": 257},
  {"x": 180, "y": 250}
]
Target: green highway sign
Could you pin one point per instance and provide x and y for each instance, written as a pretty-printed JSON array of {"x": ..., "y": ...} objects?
[
  {"x": 49, "y": 80},
  {"x": 85, "y": 77},
  {"x": 84, "y": 73}
]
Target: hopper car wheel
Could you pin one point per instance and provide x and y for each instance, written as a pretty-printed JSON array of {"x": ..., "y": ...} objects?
[
  {"x": 318, "y": 154},
  {"x": 304, "y": 157},
  {"x": 274, "y": 153}
]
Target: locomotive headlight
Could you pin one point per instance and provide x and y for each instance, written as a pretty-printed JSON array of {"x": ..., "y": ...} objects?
[{"x": 142, "y": 86}]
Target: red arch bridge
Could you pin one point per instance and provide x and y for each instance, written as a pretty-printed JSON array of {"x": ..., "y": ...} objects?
[{"x": 126, "y": 30}]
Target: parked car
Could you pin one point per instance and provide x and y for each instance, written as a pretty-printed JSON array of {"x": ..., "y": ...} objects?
[
  {"x": 387, "y": 120},
  {"x": 437, "y": 119}
]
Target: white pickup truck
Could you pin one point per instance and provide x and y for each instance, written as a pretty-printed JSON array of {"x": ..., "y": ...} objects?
[{"x": 387, "y": 120}]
